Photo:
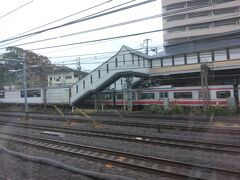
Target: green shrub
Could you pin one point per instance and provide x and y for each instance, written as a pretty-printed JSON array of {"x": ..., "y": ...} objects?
[{"x": 218, "y": 111}]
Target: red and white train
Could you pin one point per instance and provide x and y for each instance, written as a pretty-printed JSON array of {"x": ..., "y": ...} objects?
[{"x": 184, "y": 96}]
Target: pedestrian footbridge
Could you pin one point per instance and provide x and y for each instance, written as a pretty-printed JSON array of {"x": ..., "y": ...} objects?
[{"x": 126, "y": 63}]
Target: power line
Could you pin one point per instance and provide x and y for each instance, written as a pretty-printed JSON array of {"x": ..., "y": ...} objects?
[
  {"x": 104, "y": 39},
  {"x": 124, "y": 23},
  {"x": 104, "y": 54},
  {"x": 116, "y": 37},
  {"x": 92, "y": 30},
  {"x": 16, "y": 9},
  {"x": 95, "y": 15},
  {"x": 97, "y": 40},
  {"x": 56, "y": 21}
]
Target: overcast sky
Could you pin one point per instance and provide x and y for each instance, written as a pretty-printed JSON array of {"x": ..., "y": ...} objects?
[{"x": 40, "y": 12}]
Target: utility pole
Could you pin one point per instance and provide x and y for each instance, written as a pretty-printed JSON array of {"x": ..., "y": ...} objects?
[
  {"x": 146, "y": 44},
  {"x": 79, "y": 68},
  {"x": 236, "y": 94},
  {"x": 25, "y": 84},
  {"x": 204, "y": 83}
]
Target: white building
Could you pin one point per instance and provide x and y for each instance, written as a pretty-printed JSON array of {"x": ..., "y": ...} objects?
[{"x": 64, "y": 76}]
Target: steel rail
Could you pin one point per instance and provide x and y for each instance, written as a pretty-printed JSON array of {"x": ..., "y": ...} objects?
[
  {"x": 155, "y": 165},
  {"x": 176, "y": 143},
  {"x": 160, "y": 126}
]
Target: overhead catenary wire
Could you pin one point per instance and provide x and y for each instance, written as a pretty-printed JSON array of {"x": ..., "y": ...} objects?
[
  {"x": 93, "y": 16},
  {"x": 16, "y": 9},
  {"x": 112, "y": 38},
  {"x": 57, "y": 20},
  {"x": 124, "y": 23},
  {"x": 92, "y": 30}
]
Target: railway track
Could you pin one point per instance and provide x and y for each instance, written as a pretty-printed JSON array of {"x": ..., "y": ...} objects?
[
  {"x": 176, "y": 143},
  {"x": 159, "y": 126},
  {"x": 180, "y": 118},
  {"x": 148, "y": 164}
]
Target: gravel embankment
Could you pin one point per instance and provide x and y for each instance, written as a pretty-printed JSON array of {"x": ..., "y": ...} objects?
[
  {"x": 175, "y": 134},
  {"x": 184, "y": 155},
  {"x": 12, "y": 168},
  {"x": 89, "y": 165}
]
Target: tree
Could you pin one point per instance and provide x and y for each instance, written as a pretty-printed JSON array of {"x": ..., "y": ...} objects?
[{"x": 37, "y": 66}]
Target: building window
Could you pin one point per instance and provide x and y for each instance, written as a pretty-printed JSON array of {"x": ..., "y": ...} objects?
[
  {"x": 120, "y": 96},
  {"x": 31, "y": 93},
  {"x": 2, "y": 95},
  {"x": 116, "y": 62},
  {"x": 167, "y": 61},
  {"x": 221, "y": 1},
  {"x": 76, "y": 88},
  {"x": 132, "y": 58},
  {"x": 226, "y": 22},
  {"x": 182, "y": 95},
  {"x": 91, "y": 79},
  {"x": 150, "y": 63},
  {"x": 179, "y": 60},
  {"x": 75, "y": 75},
  {"x": 199, "y": 26},
  {"x": 175, "y": 17},
  {"x": 99, "y": 73},
  {"x": 147, "y": 96},
  {"x": 58, "y": 79},
  {"x": 220, "y": 55},
  {"x": 68, "y": 77},
  {"x": 206, "y": 56},
  {"x": 121, "y": 81},
  {"x": 138, "y": 61},
  {"x": 50, "y": 79},
  {"x": 107, "y": 66},
  {"x": 177, "y": 29},
  {"x": 223, "y": 94},
  {"x": 163, "y": 95},
  {"x": 175, "y": 6},
  {"x": 176, "y": 40},
  {"x": 228, "y": 53},
  {"x": 124, "y": 60},
  {"x": 83, "y": 84},
  {"x": 198, "y": 3},
  {"x": 199, "y": 14},
  {"x": 213, "y": 55},
  {"x": 224, "y": 11},
  {"x": 192, "y": 59}
]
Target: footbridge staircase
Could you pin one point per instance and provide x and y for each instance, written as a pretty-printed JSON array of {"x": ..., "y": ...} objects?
[{"x": 126, "y": 63}]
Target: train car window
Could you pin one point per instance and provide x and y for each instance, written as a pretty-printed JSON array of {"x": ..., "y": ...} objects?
[
  {"x": 182, "y": 95},
  {"x": 134, "y": 96},
  {"x": 223, "y": 94},
  {"x": 147, "y": 96},
  {"x": 68, "y": 77},
  {"x": 119, "y": 96},
  {"x": 163, "y": 95},
  {"x": 108, "y": 96},
  {"x": 76, "y": 88},
  {"x": 75, "y": 75},
  {"x": 32, "y": 93},
  {"x": 2, "y": 95}
]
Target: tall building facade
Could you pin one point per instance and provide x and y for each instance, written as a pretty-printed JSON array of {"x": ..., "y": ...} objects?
[{"x": 193, "y": 19}]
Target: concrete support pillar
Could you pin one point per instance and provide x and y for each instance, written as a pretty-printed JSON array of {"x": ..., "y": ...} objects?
[
  {"x": 129, "y": 94},
  {"x": 96, "y": 101}
]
